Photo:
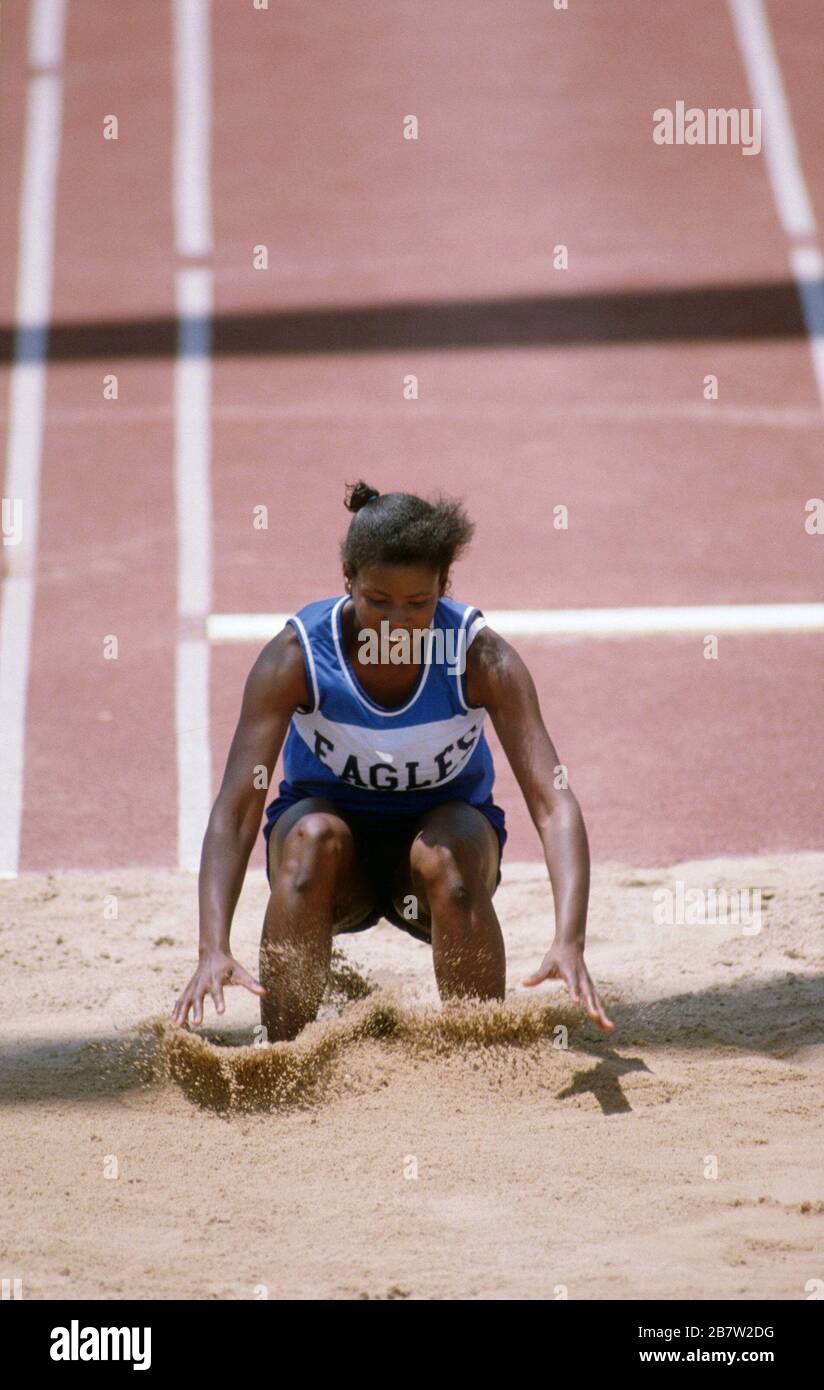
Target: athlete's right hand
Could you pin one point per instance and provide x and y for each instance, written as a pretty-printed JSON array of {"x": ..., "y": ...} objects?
[{"x": 213, "y": 972}]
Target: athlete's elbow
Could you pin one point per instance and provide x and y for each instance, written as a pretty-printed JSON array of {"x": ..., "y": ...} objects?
[
  {"x": 558, "y": 807},
  {"x": 237, "y": 818}
]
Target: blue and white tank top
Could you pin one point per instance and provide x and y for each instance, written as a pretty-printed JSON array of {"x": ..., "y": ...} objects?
[{"x": 396, "y": 761}]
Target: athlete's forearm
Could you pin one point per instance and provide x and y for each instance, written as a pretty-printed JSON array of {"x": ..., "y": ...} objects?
[
  {"x": 566, "y": 850},
  {"x": 223, "y": 864}
]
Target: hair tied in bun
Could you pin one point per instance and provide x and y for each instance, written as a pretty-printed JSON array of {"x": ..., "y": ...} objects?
[{"x": 359, "y": 495}]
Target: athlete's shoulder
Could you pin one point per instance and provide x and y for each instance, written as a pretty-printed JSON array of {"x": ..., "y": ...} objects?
[
  {"x": 278, "y": 677},
  {"x": 491, "y": 662}
]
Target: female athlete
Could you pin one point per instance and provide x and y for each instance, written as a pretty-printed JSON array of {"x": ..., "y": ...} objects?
[{"x": 386, "y": 808}]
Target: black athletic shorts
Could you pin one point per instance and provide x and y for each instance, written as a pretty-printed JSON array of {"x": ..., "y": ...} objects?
[{"x": 381, "y": 843}]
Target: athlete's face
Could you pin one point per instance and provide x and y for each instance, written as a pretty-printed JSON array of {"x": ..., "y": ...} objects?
[{"x": 405, "y": 596}]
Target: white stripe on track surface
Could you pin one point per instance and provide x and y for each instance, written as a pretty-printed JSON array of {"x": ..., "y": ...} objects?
[
  {"x": 708, "y": 619},
  {"x": 27, "y": 395},
  {"x": 779, "y": 144},
  {"x": 191, "y": 196}
]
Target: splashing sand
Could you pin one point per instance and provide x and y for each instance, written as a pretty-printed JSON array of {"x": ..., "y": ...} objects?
[{"x": 213, "y": 1072}]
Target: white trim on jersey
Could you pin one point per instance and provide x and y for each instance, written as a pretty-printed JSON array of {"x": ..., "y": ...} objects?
[
  {"x": 307, "y": 647},
  {"x": 471, "y": 633},
  {"x": 474, "y": 628}
]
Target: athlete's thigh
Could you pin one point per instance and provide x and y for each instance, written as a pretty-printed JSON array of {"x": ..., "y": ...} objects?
[
  {"x": 354, "y": 896},
  {"x": 464, "y": 830}
]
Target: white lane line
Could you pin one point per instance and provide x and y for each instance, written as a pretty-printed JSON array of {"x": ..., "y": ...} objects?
[
  {"x": 580, "y": 622},
  {"x": 782, "y": 417},
  {"x": 27, "y": 389},
  {"x": 193, "y": 370},
  {"x": 789, "y": 188},
  {"x": 192, "y": 408},
  {"x": 47, "y": 32},
  {"x": 192, "y": 128},
  {"x": 792, "y": 199},
  {"x": 192, "y": 479},
  {"x": 808, "y": 268}
]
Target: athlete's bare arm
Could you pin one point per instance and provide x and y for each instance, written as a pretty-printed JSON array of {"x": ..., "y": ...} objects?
[
  {"x": 275, "y": 687},
  {"x": 498, "y": 678}
]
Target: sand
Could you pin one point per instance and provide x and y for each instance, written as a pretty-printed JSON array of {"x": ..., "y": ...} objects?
[{"x": 400, "y": 1150}]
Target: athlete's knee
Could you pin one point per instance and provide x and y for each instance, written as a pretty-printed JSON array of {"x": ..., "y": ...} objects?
[
  {"x": 313, "y": 850},
  {"x": 444, "y": 870}
]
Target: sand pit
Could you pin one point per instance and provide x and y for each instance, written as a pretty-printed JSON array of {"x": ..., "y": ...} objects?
[{"x": 400, "y": 1150}]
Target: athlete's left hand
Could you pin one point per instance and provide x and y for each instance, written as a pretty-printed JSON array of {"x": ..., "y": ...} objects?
[{"x": 566, "y": 963}]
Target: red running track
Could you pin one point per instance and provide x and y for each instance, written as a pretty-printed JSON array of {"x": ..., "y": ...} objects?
[{"x": 534, "y": 131}]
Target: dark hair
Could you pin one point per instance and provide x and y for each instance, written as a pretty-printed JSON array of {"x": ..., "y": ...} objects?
[{"x": 402, "y": 529}]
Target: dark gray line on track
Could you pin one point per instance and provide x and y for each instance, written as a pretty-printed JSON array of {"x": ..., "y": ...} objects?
[{"x": 699, "y": 314}]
